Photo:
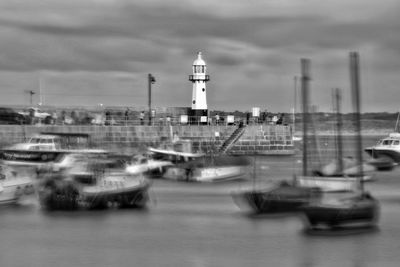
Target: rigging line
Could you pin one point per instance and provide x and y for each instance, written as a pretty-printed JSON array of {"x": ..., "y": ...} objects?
[{"x": 65, "y": 94}]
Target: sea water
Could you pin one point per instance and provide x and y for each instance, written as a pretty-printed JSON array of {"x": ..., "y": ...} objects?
[{"x": 191, "y": 224}]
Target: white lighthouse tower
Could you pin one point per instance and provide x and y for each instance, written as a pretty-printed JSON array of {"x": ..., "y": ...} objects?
[{"x": 199, "y": 79}]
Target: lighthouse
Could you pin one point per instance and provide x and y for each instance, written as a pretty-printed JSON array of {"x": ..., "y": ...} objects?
[{"x": 199, "y": 93}]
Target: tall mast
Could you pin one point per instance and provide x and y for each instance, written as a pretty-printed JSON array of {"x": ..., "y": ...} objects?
[
  {"x": 397, "y": 123},
  {"x": 295, "y": 104},
  {"x": 40, "y": 91},
  {"x": 338, "y": 99},
  {"x": 305, "y": 78},
  {"x": 355, "y": 89}
]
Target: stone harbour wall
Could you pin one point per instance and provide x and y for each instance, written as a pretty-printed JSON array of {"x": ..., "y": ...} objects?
[{"x": 257, "y": 139}]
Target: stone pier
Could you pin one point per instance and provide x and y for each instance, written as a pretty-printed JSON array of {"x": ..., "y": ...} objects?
[{"x": 257, "y": 139}]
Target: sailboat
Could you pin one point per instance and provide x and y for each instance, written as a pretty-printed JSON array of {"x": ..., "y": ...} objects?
[
  {"x": 326, "y": 181},
  {"x": 285, "y": 196},
  {"x": 280, "y": 197},
  {"x": 344, "y": 166},
  {"x": 357, "y": 208},
  {"x": 293, "y": 194}
]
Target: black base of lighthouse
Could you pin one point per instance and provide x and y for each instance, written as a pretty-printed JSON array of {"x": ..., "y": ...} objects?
[{"x": 198, "y": 116}]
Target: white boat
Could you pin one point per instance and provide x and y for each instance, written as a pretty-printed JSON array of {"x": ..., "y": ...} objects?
[
  {"x": 13, "y": 185},
  {"x": 388, "y": 147},
  {"x": 333, "y": 178},
  {"x": 146, "y": 164},
  {"x": 176, "y": 152},
  {"x": 42, "y": 149},
  {"x": 328, "y": 184},
  {"x": 209, "y": 169}
]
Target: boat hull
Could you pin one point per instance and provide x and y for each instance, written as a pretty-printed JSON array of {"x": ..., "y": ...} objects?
[
  {"x": 283, "y": 198},
  {"x": 67, "y": 195},
  {"x": 12, "y": 190},
  {"x": 40, "y": 158},
  {"x": 376, "y": 152},
  {"x": 205, "y": 174},
  {"x": 129, "y": 196},
  {"x": 363, "y": 211}
]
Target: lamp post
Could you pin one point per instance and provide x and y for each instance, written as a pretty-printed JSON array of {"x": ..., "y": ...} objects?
[
  {"x": 151, "y": 80},
  {"x": 31, "y": 93}
]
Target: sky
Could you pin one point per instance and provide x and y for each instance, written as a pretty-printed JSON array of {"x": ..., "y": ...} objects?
[{"x": 99, "y": 52}]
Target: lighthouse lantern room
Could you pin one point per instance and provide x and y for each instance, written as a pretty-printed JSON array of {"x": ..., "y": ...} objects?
[{"x": 199, "y": 79}]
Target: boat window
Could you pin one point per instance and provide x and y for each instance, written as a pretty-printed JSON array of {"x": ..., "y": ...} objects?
[
  {"x": 34, "y": 140},
  {"x": 386, "y": 142},
  {"x": 396, "y": 142}
]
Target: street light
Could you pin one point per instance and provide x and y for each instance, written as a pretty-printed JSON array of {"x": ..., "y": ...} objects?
[
  {"x": 31, "y": 92},
  {"x": 151, "y": 80}
]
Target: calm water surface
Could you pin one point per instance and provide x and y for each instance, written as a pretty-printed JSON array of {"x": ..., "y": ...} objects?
[{"x": 190, "y": 224}]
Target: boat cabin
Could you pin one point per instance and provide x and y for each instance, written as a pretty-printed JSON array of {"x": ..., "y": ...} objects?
[
  {"x": 55, "y": 141},
  {"x": 392, "y": 140}
]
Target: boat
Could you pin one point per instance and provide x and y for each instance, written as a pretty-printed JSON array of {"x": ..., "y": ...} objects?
[
  {"x": 355, "y": 208},
  {"x": 386, "y": 148},
  {"x": 291, "y": 195},
  {"x": 284, "y": 196},
  {"x": 209, "y": 169},
  {"x": 145, "y": 163},
  {"x": 349, "y": 209},
  {"x": 341, "y": 173},
  {"x": 279, "y": 197},
  {"x": 386, "y": 153},
  {"x": 178, "y": 151},
  {"x": 335, "y": 176},
  {"x": 44, "y": 148},
  {"x": 94, "y": 184},
  {"x": 14, "y": 185}
]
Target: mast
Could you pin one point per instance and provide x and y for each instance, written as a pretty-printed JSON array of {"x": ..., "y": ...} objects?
[
  {"x": 338, "y": 98},
  {"x": 397, "y": 123},
  {"x": 305, "y": 78},
  {"x": 295, "y": 104},
  {"x": 40, "y": 91},
  {"x": 355, "y": 89}
]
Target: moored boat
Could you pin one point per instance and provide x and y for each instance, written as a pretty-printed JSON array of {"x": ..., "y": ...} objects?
[
  {"x": 276, "y": 198},
  {"x": 386, "y": 148},
  {"x": 13, "y": 185},
  {"x": 209, "y": 169},
  {"x": 351, "y": 209},
  {"x": 355, "y": 208},
  {"x": 94, "y": 184},
  {"x": 386, "y": 153},
  {"x": 143, "y": 163},
  {"x": 300, "y": 190},
  {"x": 45, "y": 148},
  {"x": 176, "y": 152}
]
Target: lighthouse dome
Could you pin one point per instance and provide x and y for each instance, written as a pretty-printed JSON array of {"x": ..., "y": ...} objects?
[{"x": 199, "y": 61}]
